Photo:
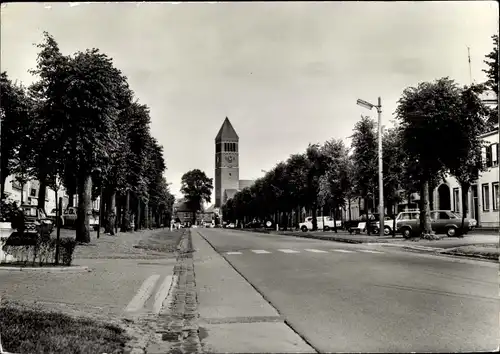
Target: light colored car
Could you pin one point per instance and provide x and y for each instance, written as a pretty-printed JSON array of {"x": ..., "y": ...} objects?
[
  {"x": 325, "y": 223},
  {"x": 231, "y": 226},
  {"x": 442, "y": 222}
]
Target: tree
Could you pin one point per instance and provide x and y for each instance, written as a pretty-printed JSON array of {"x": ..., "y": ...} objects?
[
  {"x": 468, "y": 165},
  {"x": 297, "y": 169},
  {"x": 427, "y": 114},
  {"x": 48, "y": 126},
  {"x": 14, "y": 111},
  {"x": 492, "y": 73},
  {"x": 335, "y": 181},
  {"x": 493, "y": 70},
  {"x": 196, "y": 187},
  {"x": 316, "y": 167},
  {"x": 364, "y": 143},
  {"x": 392, "y": 158}
]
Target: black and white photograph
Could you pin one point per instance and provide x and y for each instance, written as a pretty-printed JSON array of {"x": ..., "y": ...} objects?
[{"x": 249, "y": 177}]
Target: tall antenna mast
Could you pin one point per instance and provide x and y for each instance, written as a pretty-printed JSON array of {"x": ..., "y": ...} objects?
[{"x": 470, "y": 67}]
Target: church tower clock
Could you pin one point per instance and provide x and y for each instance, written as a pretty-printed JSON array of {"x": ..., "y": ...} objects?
[{"x": 227, "y": 171}]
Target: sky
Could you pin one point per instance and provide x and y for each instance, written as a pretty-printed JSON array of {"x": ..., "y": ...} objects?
[{"x": 285, "y": 74}]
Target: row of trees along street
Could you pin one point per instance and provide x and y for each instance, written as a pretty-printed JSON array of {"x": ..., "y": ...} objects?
[
  {"x": 437, "y": 131},
  {"x": 80, "y": 126}
]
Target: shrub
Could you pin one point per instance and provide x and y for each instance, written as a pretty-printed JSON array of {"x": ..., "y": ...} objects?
[
  {"x": 67, "y": 248},
  {"x": 30, "y": 247}
]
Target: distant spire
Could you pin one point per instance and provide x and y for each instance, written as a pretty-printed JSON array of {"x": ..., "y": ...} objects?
[{"x": 227, "y": 132}]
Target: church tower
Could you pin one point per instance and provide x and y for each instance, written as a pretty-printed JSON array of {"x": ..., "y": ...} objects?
[{"x": 227, "y": 171}]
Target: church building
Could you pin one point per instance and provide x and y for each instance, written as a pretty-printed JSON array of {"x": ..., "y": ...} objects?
[{"x": 227, "y": 170}]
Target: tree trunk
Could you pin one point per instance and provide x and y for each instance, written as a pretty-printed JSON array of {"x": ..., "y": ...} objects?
[
  {"x": 119, "y": 214},
  {"x": 349, "y": 204},
  {"x": 138, "y": 217},
  {"x": 465, "y": 193},
  {"x": 84, "y": 205},
  {"x": 3, "y": 178},
  {"x": 109, "y": 226},
  {"x": 334, "y": 219},
  {"x": 146, "y": 215},
  {"x": 42, "y": 193},
  {"x": 314, "y": 220},
  {"x": 431, "y": 197},
  {"x": 425, "y": 212},
  {"x": 367, "y": 217},
  {"x": 125, "y": 227}
]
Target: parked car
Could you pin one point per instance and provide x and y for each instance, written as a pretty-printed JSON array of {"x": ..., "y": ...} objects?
[
  {"x": 52, "y": 216},
  {"x": 231, "y": 226},
  {"x": 388, "y": 224},
  {"x": 472, "y": 222},
  {"x": 70, "y": 215},
  {"x": 325, "y": 223},
  {"x": 442, "y": 222},
  {"x": 36, "y": 221},
  {"x": 254, "y": 225}
]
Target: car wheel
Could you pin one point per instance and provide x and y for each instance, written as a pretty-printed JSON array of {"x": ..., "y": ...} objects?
[
  {"x": 451, "y": 232},
  {"x": 304, "y": 228},
  {"x": 406, "y": 232},
  {"x": 326, "y": 228},
  {"x": 387, "y": 230}
]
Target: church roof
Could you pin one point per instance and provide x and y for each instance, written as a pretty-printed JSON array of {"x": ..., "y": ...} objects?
[{"x": 227, "y": 132}]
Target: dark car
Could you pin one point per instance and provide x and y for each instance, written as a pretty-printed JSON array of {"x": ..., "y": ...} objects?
[{"x": 36, "y": 221}]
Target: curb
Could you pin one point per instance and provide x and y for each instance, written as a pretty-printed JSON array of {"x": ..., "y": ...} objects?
[
  {"x": 70, "y": 269},
  {"x": 327, "y": 238}
]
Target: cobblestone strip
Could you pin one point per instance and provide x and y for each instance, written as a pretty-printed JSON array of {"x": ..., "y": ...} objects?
[{"x": 178, "y": 319}]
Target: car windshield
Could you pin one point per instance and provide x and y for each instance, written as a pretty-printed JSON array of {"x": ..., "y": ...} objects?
[{"x": 30, "y": 211}]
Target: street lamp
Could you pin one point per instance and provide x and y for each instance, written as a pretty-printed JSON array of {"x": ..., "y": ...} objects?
[{"x": 370, "y": 106}]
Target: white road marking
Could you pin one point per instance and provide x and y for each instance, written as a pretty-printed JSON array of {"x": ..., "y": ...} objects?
[
  {"x": 288, "y": 251},
  {"x": 143, "y": 294},
  {"x": 370, "y": 251},
  {"x": 343, "y": 251},
  {"x": 162, "y": 293},
  {"x": 315, "y": 251},
  {"x": 229, "y": 253},
  {"x": 260, "y": 251}
]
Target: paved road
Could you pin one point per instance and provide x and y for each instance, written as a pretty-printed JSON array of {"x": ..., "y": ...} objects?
[{"x": 366, "y": 298}]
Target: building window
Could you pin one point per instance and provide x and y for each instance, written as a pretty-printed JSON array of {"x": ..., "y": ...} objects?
[
  {"x": 217, "y": 147},
  {"x": 494, "y": 154},
  {"x": 32, "y": 192},
  {"x": 495, "y": 196},
  {"x": 456, "y": 200},
  {"x": 486, "y": 197}
]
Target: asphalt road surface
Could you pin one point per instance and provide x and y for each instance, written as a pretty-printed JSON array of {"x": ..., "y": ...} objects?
[{"x": 368, "y": 298}]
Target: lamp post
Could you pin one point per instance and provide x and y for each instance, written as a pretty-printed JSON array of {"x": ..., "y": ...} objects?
[{"x": 370, "y": 106}]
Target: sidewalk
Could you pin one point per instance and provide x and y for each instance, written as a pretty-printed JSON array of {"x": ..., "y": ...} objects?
[
  {"x": 125, "y": 285},
  {"x": 234, "y": 317}
]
